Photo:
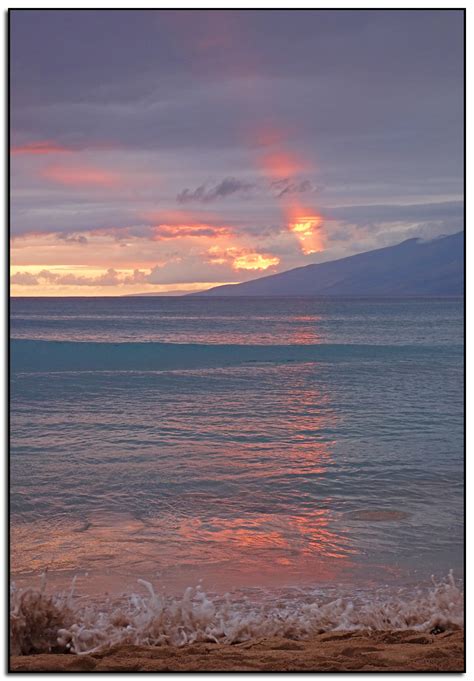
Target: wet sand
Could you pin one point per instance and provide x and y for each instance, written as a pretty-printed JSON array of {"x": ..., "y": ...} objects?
[{"x": 333, "y": 651}]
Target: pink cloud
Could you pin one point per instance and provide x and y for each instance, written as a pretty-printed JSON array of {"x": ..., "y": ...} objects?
[
  {"x": 176, "y": 224},
  {"x": 40, "y": 147},
  {"x": 82, "y": 176}
]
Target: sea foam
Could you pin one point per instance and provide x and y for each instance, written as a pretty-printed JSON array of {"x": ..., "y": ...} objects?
[{"x": 63, "y": 622}]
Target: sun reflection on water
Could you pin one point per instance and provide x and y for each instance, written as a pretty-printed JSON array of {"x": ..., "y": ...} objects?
[{"x": 251, "y": 501}]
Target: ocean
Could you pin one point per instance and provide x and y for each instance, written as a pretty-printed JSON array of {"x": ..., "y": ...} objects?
[{"x": 269, "y": 453}]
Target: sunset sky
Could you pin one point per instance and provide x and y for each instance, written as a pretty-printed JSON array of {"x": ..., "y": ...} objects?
[{"x": 177, "y": 150}]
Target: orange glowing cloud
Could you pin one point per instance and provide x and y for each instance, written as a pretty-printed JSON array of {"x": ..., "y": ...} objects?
[
  {"x": 82, "y": 176},
  {"x": 184, "y": 224},
  {"x": 194, "y": 230},
  {"x": 307, "y": 229},
  {"x": 242, "y": 259},
  {"x": 281, "y": 165},
  {"x": 38, "y": 148},
  {"x": 255, "y": 261}
]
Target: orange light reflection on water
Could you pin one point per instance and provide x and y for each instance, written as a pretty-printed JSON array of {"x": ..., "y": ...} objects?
[
  {"x": 306, "y": 330},
  {"x": 267, "y": 518}
]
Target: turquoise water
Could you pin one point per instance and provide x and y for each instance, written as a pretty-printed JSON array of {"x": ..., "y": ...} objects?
[{"x": 242, "y": 442}]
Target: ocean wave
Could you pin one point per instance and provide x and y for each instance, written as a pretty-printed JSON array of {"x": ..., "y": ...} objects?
[
  {"x": 64, "y": 623},
  {"x": 39, "y": 355}
]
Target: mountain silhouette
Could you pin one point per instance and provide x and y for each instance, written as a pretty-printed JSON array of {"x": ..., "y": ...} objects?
[{"x": 413, "y": 267}]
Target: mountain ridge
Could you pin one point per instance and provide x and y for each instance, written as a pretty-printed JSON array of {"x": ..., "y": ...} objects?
[{"x": 412, "y": 267}]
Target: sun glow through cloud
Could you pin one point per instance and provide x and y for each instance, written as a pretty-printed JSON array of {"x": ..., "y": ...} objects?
[
  {"x": 241, "y": 259},
  {"x": 306, "y": 228},
  {"x": 188, "y": 230},
  {"x": 281, "y": 165},
  {"x": 284, "y": 168},
  {"x": 255, "y": 261}
]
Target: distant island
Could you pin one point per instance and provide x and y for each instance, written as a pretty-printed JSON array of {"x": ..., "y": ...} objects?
[{"x": 413, "y": 267}]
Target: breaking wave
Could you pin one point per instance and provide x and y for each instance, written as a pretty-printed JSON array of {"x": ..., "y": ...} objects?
[{"x": 66, "y": 623}]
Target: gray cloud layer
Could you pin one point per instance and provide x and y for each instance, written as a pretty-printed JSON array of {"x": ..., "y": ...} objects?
[{"x": 372, "y": 99}]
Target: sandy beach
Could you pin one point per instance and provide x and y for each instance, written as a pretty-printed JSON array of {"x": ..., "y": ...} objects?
[{"x": 333, "y": 651}]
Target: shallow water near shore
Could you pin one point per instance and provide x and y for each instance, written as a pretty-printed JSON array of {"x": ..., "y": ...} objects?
[{"x": 246, "y": 445}]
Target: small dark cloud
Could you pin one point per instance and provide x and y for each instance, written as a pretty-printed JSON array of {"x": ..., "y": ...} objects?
[
  {"x": 231, "y": 186},
  {"x": 283, "y": 187},
  {"x": 203, "y": 194},
  {"x": 72, "y": 238}
]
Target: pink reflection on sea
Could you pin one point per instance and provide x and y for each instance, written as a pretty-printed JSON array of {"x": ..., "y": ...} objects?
[
  {"x": 306, "y": 330},
  {"x": 255, "y": 512},
  {"x": 255, "y": 550},
  {"x": 239, "y": 541}
]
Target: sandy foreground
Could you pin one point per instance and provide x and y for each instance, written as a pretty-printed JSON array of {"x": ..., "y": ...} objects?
[{"x": 334, "y": 651}]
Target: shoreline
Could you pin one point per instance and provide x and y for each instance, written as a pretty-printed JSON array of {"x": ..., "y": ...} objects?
[{"x": 393, "y": 650}]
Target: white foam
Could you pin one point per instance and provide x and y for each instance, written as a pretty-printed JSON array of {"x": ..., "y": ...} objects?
[{"x": 41, "y": 623}]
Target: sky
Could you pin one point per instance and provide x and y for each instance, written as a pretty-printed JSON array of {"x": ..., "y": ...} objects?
[{"x": 175, "y": 150}]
